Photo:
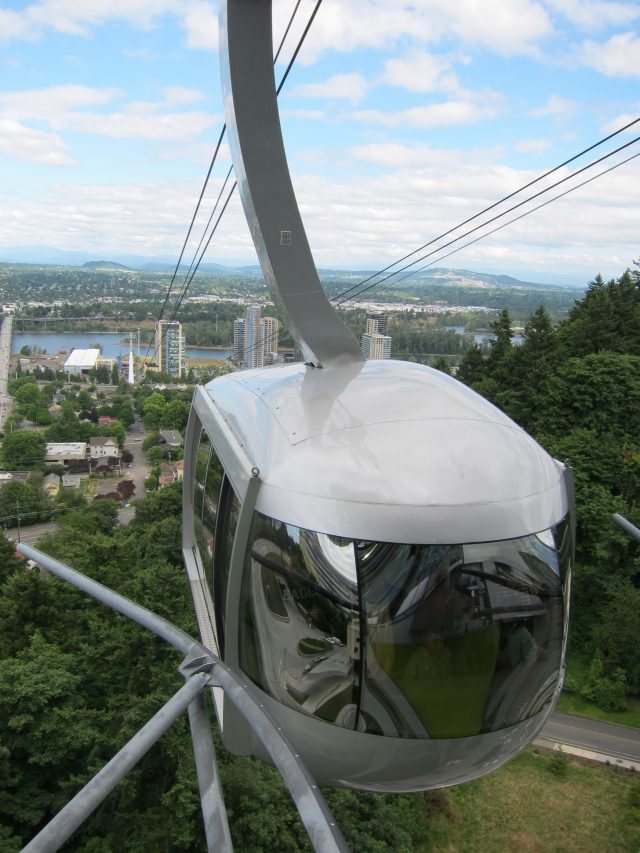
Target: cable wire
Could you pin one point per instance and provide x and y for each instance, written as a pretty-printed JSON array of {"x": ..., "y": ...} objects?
[
  {"x": 191, "y": 273},
  {"x": 341, "y": 298},
  {"x": 520, "y": 216},
  {"x": 490, "y": 207}
]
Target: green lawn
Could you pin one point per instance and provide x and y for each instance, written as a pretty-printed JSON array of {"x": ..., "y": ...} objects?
[{"x": 523, "y": 807}]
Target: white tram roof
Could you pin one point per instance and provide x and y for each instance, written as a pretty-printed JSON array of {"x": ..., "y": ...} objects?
[{"x": 390, "y": 451}]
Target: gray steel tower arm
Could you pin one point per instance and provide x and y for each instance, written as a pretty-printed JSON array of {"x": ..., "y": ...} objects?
[{"x": 260, "y": 164}]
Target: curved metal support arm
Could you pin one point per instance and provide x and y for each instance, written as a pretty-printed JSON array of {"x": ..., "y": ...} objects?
[
  {"x": 260, "y": 164},
  {"x": 314, "y": 813}
]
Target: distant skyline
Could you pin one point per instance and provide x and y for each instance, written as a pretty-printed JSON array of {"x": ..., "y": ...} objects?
[{"x": 400, "y": 120}]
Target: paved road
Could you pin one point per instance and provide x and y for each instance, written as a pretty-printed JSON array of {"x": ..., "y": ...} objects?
[
  {"x": 33, "y": 532},
  {"x": 595, "y": 735},
  {"x": 138, "y": 470}
]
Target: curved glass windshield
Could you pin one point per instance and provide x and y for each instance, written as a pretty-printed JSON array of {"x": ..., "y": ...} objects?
[{"x": 422, "y": 641}]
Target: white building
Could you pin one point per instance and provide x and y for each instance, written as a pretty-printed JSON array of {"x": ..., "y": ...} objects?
[
  {"x": 270, "y": 327},
  {"x": 376, "y": 345},
  {"x": 103, "y": 446},
  {"x": 65, "y": 451},
  {"x": 81, "y": 361},
  {"x": 253, "y": 338}
]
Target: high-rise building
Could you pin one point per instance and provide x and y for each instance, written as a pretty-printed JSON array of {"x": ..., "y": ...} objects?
[
  {"x": 238, "y": 339},
  {"x": 375, "y": 342},
  {"x": 376, "y": 323},
  {"x": 270, "y": 327},
  {"x": 170, "y": 348},
  {"x": 253, "y": 338},
  {"x": 376, "y": 345}
]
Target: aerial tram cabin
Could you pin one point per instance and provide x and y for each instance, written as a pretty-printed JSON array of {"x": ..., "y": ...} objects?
[{"x": 380, "y": 551}]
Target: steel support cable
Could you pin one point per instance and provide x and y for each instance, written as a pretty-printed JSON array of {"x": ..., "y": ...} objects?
[
  {"x": 278, "y": 90},
  {"x": 193, "y": 219},
  {"x": 224, "y": 128},
  {"x": 323, "y": 831},
  {"x": 516, "y": 218},
  {"x": 338, "y": 300},
  {"x": 492, "y": 206}
]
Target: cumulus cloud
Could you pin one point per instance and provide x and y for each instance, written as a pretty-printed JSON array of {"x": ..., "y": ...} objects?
[
  {"x": 63, "y": 108},
  {"x": 420, "y": 71},
  {"x": 617, "y": 57},
  {"x": 431, "y": 115},
  {"x": 200, "y": 24},
  {"x": 595, "y": 14},
  {"x": 347, "y": 87},
  {"x": 354, "y": 220},
  {"x": 34, "y": 146}
]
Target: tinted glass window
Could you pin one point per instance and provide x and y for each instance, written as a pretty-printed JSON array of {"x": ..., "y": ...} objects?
[
  {"x": 415, "y": 641},
  {"x": 467, "y": 638}
]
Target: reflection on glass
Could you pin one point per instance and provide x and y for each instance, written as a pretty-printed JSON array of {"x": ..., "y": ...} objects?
[
  {"x": 227, "y": 524},
  {"x": 415, "y": 641},
  {"x": 207, "y": 482},
  {"x": 299, "y": 622},
  {"x": 202, "y": 461}
]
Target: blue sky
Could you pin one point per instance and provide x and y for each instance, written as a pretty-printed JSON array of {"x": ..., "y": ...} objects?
[{"x": 400, "y": 120}]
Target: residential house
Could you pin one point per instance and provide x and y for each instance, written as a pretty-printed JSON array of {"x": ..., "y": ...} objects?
[
  {"x": 71, "y": 481},
  {"x": 105, "y": 420},
  {"x": 170, "y": 437},
  {"x": 103, "y": 446}
]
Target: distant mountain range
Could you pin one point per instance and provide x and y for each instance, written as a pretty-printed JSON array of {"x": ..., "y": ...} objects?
[{"x": 46, "y": 256}]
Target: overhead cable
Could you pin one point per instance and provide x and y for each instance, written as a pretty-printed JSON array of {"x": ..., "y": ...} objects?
[
  {"x": 490, "y": 207},
  {"x": 192, "y": 272},
  {"x": 343, "y": 297}
]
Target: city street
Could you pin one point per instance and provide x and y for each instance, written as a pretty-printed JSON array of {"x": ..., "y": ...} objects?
[{"x": 138, "y": 470}]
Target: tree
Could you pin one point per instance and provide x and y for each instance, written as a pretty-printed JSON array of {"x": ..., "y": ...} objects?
[
  {"x": 175, "y": 415},
  {"x": 19, "y": 499},
  {"x": 23, "y": 449},
  {"x": 27, "y": 395},
  {"x": 153, "y": 410}
]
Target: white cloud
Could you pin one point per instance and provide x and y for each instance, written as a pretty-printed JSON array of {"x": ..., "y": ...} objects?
[
  {"x": 358, "y": 220},
  {"x": 622, "y": 121},
  {"x": 13, "y": 25},
  {"x": 62, "y": 108},
  {"x": 200, "y": 23},
  {"x": 74, "y": 18},
  {"x": 617, "y": 57},
  {"x": 532, "y": 146},
  {"x": 556, "y": 107},
  {"x": 34, "y": 146},
  {"x": 346, "y": 87},
  {"x": 420, "y": 71},
  {"x": 507, "y": 28},
  {"x": 431, "y": 115},
  {"x": 394, "y": 155},
  {"x": 595, "y": 14},
  {"x": 47, "y": 104},
  {"x": 175, "y": 96},
  {"x": 136, "y": 123}
]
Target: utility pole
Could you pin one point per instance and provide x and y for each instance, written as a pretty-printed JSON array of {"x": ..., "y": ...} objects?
[{"x": 18, "y": 517}]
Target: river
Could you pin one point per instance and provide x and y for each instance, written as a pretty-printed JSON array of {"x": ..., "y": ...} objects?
[{"x": 111, "y": 344}]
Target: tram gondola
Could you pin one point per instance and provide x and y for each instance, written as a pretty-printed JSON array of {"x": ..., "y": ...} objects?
[{"x": 381, "y": 552}]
